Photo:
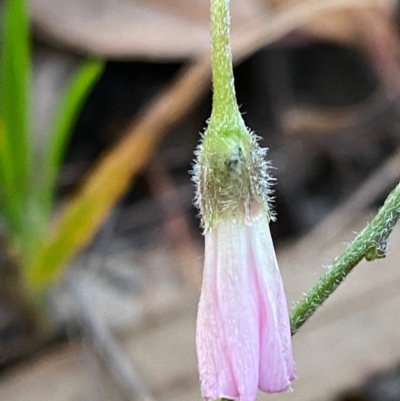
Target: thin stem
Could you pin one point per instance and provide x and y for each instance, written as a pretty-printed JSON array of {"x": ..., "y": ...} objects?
[
  {"x": 369, "y": 244},
  {"x": 224, "y": 97}
]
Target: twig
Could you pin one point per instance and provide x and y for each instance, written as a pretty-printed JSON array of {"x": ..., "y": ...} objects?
[
  {"x": 176, "y": 220},
  {"x": 145, "y": 212},
  {"x": 281, "y": 23},
  {"x": 324, "y": 121},
  {"x": 118, "y": 364},
  {"x": 368, "y": 192}
]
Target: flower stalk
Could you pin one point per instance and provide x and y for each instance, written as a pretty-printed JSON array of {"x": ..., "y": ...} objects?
[
  {"x": 369, "y": 244},
  {"x": 224, "y": 98}
]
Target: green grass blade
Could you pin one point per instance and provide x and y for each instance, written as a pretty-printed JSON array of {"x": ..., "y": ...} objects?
[
  {"x": 8, "y": 204},
  {"x": 15, "y": 146},
  {"x": 65, "y": 118},
  {"x": 80, "y": 218}
]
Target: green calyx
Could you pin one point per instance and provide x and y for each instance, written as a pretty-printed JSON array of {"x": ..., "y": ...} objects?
[{"x": 231, "y": 173}]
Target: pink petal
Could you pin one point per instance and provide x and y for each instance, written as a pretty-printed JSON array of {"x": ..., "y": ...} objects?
[
  {"x": 276, "y": 358},
  {"x": 238, "y": 308},
  {"x": 227, "y": 326},
  {"x": 214, "y": 363},
  {"x": 243, "y": 333}
]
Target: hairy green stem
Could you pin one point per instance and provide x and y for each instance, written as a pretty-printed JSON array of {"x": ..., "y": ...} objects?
[
  {"x": 369, "y": 244},
  {"x": 224, "y": 97}
]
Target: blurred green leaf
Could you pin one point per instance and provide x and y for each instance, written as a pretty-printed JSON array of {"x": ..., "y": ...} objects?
[
  {"x": 15, "y": 145},
  {"x": 79, "y": 220},
  {"x": 65, "y": 118},
  {"x": 84, "y": 213}
]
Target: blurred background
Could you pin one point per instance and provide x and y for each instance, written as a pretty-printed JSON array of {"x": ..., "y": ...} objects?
[{"x": 102, "y": 103}]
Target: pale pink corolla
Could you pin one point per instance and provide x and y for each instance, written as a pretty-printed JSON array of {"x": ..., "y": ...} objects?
[{"x": 243, "y": 331}]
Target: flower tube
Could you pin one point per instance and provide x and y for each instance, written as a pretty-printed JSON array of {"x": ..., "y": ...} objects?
[{"x": 243, "y": 334}]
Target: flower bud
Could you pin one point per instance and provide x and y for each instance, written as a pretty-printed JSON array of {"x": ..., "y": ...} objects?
[{"x": 243, "y": 332}]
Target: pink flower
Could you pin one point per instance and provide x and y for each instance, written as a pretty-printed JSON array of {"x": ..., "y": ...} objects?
[{"x": 243, "y": 331}]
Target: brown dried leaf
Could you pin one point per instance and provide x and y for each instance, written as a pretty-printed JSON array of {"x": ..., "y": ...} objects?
[
  {"x": 299, "y": 120},
  {"x": 369, "y": 27},
  {"x": 129, "y": 29},
  {"x": 339, "y": 25}
]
